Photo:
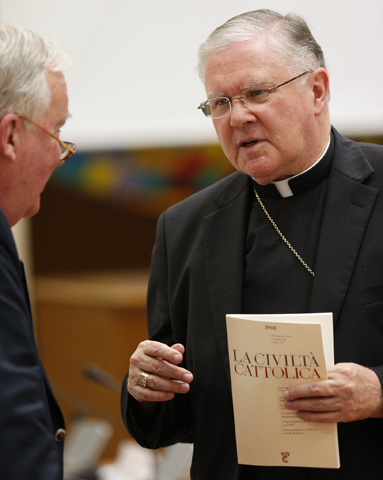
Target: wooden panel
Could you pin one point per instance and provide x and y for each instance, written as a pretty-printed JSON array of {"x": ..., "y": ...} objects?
[
  {"x": 90, "y": 319},
  {"x": 75, "y": 233}
]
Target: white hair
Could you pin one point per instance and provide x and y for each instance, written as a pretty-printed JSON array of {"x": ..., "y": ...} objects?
[
  {"x": 288, "y": 36},
  {"x": 25, "y": 60}
]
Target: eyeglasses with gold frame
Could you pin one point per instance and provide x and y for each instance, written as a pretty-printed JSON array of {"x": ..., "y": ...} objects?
[
  {"x": 67, "y": 148},
  {"x": 260, "y": 94}
]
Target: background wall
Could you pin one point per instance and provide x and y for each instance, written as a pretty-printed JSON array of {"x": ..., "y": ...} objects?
[{"x": 134, "y": 83}]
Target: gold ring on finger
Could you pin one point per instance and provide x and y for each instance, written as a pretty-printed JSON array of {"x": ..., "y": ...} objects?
[{"x": 143, "y": 379}]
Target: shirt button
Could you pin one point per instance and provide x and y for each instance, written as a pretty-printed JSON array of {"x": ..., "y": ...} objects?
[{"x": 60, "y": 435}]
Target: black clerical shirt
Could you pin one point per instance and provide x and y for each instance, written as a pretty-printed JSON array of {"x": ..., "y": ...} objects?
[{"x": 275, "y": 281}]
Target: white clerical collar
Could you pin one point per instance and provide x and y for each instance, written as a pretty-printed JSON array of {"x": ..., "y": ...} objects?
[{"x": 283, "y": 186}]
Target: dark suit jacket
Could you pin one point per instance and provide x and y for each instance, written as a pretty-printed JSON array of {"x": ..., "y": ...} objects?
[
  {"x": 29, "y": 414},
  {"x": 196, "y": 279}
]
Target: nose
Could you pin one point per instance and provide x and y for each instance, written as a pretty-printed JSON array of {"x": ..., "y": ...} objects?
[{"x": 240, "y": 113}]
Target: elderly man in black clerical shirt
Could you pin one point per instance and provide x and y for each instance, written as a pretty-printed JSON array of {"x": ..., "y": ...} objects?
[{"x": 224, "y": 250}]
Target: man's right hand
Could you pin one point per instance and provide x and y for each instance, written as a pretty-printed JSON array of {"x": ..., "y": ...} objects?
[{"x": 165, "y": 379}]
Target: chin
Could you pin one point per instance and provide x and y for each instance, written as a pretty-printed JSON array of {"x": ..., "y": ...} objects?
[
  {"x": 262, "y": 181},
  {"x": 261, "y": 171},
  {"x": 32, "y": 210},
  {"x": 262, "y": 178}
]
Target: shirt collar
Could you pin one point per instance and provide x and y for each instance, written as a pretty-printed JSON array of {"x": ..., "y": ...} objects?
[{"x": 303, "y": 181}]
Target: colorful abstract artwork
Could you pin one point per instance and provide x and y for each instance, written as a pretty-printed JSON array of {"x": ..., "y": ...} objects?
[{"x": 146, "y": 180}]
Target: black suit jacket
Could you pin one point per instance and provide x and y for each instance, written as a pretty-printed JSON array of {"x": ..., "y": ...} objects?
[
  {"x": 29, "y": 414},
  {"x": 196, "y": 279}
]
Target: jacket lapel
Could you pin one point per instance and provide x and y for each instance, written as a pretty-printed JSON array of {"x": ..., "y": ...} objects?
[
  {"x": 347, "y": 210},
  {"x": 225, "y": 233}
]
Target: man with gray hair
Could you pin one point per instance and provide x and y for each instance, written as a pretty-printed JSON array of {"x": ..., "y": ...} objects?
[
  {"x": 33, "y": 108},
  {"x": 296, "y": 230}
]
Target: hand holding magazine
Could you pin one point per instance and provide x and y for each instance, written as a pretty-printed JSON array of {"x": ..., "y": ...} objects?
[{"x": 268, "y": 354}]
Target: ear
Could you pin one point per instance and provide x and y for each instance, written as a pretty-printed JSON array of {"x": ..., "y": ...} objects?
[
  {"x": 320, "y": 85},
  {"x": 10, "y": 126}
]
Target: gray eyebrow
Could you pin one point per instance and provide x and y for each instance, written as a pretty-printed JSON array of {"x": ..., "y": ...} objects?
[
  {"x": 253, "y": 84},
  {"x": 216, "y": 95}
]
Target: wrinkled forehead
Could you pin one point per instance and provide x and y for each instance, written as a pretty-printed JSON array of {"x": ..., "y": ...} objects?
[
  {"x": 242, "y": 64},
  {"x": 57, "y": 110}
]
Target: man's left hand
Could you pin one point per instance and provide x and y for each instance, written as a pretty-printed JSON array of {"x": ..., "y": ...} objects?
[{"x": 350, "y": 393}]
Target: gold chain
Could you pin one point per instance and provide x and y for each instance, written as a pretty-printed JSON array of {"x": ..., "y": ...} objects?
[{"x": 281, "y": 234}]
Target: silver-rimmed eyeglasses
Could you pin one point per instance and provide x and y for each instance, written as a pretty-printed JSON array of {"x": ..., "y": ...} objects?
[
  {"x": 221, "y": 106},
  {"x": 67, "y": 148}
]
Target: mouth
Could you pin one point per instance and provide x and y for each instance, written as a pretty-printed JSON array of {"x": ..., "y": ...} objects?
[{"x": 249, "y": 143}]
